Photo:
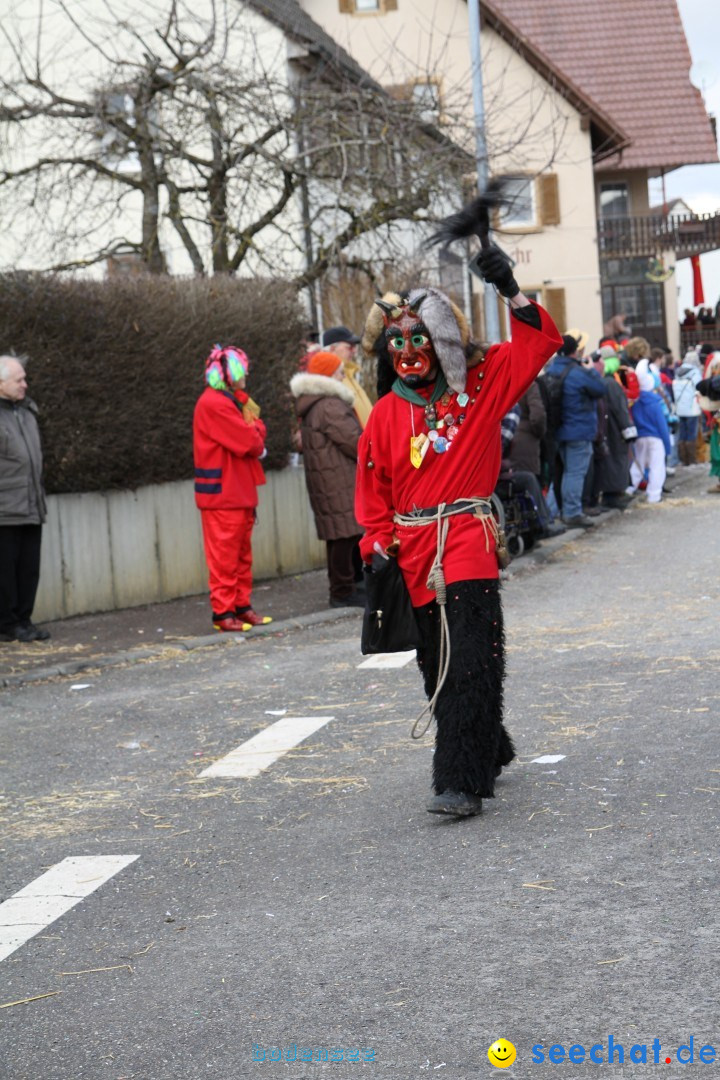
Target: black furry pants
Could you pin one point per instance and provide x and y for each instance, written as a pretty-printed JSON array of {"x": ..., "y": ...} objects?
[{"x": 471, "y": 744}]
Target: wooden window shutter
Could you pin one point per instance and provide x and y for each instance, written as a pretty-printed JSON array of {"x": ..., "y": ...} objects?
[
  {"x": 347, "y": 7},
  {"x": 549, "y": 199},
  {"x": 390, "y": 5},
  {"x": 555, "y": 307}
]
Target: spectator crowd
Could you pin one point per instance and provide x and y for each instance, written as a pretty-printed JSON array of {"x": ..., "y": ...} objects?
[{"x": 617, "y": 420}]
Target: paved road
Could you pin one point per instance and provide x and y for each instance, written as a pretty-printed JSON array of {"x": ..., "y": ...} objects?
[{"x": 319, "y": 905}]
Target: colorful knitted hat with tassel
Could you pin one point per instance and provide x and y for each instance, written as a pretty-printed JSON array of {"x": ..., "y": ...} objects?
[{"x": 225, "y": 366}]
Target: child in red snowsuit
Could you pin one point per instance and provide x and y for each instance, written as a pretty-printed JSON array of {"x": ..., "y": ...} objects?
[{"x": 228, "y": 443}]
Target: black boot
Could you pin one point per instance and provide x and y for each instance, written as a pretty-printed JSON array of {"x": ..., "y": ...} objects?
[
  {"x": 28, "y": 631},
  {"x": 455, "y": 803}
]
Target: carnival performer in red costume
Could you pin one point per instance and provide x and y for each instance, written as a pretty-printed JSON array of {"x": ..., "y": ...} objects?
[
  {"x": 228, "y": 442},
  {"x": 428, "y": 462}
]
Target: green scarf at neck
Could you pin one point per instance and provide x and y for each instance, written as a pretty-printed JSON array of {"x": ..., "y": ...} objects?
[{"x": 403, "y": 391}]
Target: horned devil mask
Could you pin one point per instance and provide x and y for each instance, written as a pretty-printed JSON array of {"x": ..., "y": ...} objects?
[
  {"x": 422, "y": 330},
  {"x": 408, "y": 341}
]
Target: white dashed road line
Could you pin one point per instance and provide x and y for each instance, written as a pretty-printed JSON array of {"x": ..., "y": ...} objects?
[
  {"x": 48, "y": 897},
  {"x": 254, "y": 756},
  {"x": 389, "y": 660}
]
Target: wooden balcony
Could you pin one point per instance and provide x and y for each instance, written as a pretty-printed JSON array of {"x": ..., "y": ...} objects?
[
  {"x": 696, "y": 335},
  {"x": 625, "y": 237}
]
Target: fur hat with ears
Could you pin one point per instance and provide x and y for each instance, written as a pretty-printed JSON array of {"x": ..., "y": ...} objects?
[{"x": 446, "y": 325}]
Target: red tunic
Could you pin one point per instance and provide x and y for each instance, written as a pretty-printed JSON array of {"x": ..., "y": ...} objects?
[
  {"x": 226, "y": 450},
  {"x": 387, "y": 481}
]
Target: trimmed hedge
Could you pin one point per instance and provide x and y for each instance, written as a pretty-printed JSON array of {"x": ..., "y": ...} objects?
[{"x": 116, "y": 368}]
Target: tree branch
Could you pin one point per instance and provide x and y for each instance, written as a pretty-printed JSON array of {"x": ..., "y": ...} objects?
[
  {"x": 86, "y": 163},
  {"x": 176, "y": 217},
  {"x": 289, "y": 184}
]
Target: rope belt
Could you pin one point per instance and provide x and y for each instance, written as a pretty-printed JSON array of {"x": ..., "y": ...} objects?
[{"x": 481, "y": 509}]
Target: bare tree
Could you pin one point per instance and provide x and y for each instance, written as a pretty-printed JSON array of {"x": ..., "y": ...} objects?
[
  {"x": 198, "y": 136},
  {"x": 200, "y": 123}
]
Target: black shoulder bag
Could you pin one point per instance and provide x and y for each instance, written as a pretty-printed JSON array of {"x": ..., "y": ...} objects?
[{"x": 389, "y": 623}]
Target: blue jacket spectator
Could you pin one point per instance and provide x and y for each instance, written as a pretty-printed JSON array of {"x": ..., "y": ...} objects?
[
  {"x": 582, "y": 387},
  {"x": 648, "y": 417}
]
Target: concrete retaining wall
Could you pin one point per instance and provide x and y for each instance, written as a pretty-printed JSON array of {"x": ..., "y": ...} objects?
[{"x": 124, "y": 548}]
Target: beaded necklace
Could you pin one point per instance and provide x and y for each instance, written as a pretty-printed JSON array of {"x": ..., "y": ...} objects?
[{"x": 443, "y": 424}]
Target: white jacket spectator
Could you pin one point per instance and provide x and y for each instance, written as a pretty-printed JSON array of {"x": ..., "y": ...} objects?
[{"x": 687, "y": 377}]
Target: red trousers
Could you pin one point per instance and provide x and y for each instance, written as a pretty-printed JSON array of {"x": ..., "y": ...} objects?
[{"x": 228, "y": 553}]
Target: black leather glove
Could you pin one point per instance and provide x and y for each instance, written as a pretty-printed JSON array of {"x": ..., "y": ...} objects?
[{"x": 494, "y": 267}]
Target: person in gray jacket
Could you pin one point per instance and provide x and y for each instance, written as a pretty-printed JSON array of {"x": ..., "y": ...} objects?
[
  {"x": 22, "y": 505},
  {"x": 684, "y": 387}
]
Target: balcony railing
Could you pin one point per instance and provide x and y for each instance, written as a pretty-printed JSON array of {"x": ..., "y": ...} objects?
[
  {"x": 692, "y": 336},
  {"x": 685, "y": 234}
]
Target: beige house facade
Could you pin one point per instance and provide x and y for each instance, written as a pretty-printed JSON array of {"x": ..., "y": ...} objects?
[
  {"x": 574, "y": 124},
  {"x": 539, "y": 134}
]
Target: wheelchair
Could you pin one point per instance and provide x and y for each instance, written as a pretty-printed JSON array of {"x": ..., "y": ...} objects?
[{"x": 516, "y": 513}]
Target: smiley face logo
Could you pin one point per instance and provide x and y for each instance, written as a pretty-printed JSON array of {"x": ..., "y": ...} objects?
[{"x": 501, "y": 1054}]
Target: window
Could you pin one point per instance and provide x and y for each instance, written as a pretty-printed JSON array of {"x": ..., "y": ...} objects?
[
  {"x": 426, "y": 95},
  {"x": 624, "y": 271},
  {"x": 116, "y": 106},
  {"x": 520, "y": 191},
  {"x": 125, "y": 264},
  {"x": 642, "y": 305},
  {"x": 614, "y": 200},
  {"x": 366, "y": 7},
  {"x": 116, "y": 125},
  {"x": 452, "y": 276},
  {"x": 629, "y": 297}
]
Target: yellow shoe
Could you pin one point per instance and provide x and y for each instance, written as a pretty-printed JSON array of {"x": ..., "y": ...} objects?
[
  {"x": 231, "y": 624},
  {"x": 253, "y": 619}
]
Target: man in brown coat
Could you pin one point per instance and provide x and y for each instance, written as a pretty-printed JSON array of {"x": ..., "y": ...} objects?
[{"x": 330, "y": 432}]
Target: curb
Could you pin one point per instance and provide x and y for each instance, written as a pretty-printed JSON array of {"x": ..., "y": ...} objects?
[{"x": 132, "y": 656}]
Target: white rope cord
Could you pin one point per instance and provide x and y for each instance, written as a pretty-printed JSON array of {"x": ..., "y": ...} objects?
[{"x": 436, "y": 583}]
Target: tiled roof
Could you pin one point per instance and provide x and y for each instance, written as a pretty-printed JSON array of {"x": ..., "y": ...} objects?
[
  {"x": 631, "y": 58},
  {"x": 290, "y": 17},
  {"x": 607, "y": 134}
]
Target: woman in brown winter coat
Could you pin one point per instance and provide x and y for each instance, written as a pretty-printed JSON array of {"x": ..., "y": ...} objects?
[
  {"x": 330, "y": 432},
  {"x": 526, "y": 444}
]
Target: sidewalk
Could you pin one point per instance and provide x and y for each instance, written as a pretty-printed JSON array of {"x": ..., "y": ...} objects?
[{"x": 84, "y": 642}]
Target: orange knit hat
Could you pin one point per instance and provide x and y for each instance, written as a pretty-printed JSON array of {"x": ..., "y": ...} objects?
[{"x": 323, "y": 363}]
